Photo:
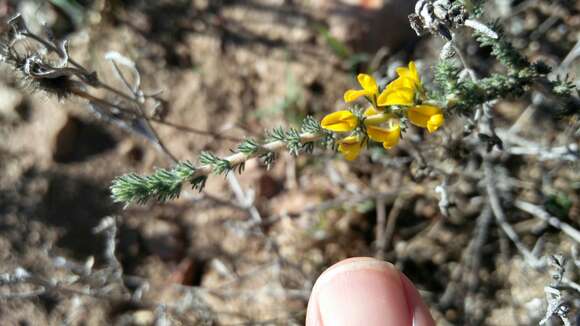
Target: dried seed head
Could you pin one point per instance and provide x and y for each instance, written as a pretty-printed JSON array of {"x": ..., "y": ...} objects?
[
  {"x": 437, "y": 17},
  {"x": 35, "y": 70}
]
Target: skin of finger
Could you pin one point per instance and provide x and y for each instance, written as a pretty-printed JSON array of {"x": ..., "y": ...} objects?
[
  {"x": 359, "y": 291},
  {"x": 421, "y": 314}
]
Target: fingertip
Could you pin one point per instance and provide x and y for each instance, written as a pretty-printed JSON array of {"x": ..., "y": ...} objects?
[
  {"x": 312, "y": 312},
  {"x": 359, "y": 291},
  {"x": 421, "y": 314}
]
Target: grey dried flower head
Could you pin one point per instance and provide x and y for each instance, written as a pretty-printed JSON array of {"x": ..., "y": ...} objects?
[
  {"x": 437, "y": 17},
  {"x": 440, "y": 17},
  {"x": 36, "y": 70}
]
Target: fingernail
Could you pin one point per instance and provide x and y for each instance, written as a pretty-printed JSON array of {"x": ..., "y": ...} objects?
[{"x": 359, "y": 291}]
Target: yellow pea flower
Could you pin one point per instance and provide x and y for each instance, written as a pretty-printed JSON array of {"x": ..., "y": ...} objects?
[
  {"x": 388, "y": 136},
  {"x": 371, "y": 111},
  {"x": 426, "y": 116},
  {"x": 402, "y": 90},
  {"x": 393, "y": 139},
  {"x": 410, "y": 73},
  {"x": 401, "y": 82},
  {"x": 350, "y": 147},
  {"x": 375, "y": 117},
  {"x": 403, "y": 96},
  {"x": 369, "y": 89},
  {"x": 339, "y": 121}
]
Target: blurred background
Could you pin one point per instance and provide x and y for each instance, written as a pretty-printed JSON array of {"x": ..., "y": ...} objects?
[{"x": 247, "y": 249}]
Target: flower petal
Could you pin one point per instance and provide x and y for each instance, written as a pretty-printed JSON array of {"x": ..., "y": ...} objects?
[
  {"x": 399, "y": 96},
  {"x": 401, "y": 82},
  {"x": 410, "y": 72},
  {"x": 368, "y": 83},
  {"x": 350, "y": 147},
  {"x": 421, "y": 115},
  {"x": 371, "y": 111},
  {"x": 435, "y": 122},
  {"x": 402, "y": 71},
  {"x": 353, "y": 94},
  {"x": 384, "y": 135},
  {"x": 413, "y": 70},
  {"x": 339, "y": 121},
  {"x": 393, "y": 139}
]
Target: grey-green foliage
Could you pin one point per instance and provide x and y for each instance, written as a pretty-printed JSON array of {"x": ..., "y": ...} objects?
[
  {"x": 218, "y": 165},
  {"x": 162, "y": 185},
  {"x": 166, "y": 184},
  {"x": 502, "y": 49},
  {"x": 462, "y": 95}
]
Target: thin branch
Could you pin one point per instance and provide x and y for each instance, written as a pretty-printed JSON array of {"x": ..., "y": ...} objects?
[
  {"x": 380, "y": 233},
  {"x": 540, "y": 213},
  {"x": 500, "y": 217},
  {"x": 92, "y": 98},
  {"x": 392, "y": 218}
]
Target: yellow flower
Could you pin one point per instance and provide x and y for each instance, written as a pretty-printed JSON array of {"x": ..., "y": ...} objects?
[
  {"x": 371, "y": 111},
  {"x": 388, "y": 136},
  {"x": 369, "y": 89},
  {"x": 402, "y": 82},
  {"x": 402, "y": 91},
  {"x": 350, "y": 147},
  {"x": 403, "y": 96},
  {"x": 381, "y": 124},
  {"x": 374, "y": 116},
  {"x": 393, "y": 139},
  {"x": 426, "y": 116},
  {"x": 410, "y": 73},
  {"x": 339, "y": 121}
]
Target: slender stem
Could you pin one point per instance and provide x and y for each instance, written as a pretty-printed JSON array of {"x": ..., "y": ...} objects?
[
  {"x": 92, "y": 98},
  {"x": 540, "y": 213},
  {"x": 240, "y": 158},
  {"x": 500, "y": 217},
  {"x": 115, "y": 91},
  {"x": 138, "y": 113}
]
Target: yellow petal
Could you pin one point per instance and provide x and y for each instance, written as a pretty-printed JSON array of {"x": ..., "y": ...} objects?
[
  {"x": 435, "y": 122},
  {"x": 402, "y": 71},
  {"x": 350, "y": 147},
  {"x": 393, "y": 139},
  {"x": 384, "y": 135},
  {"x": 368, "y": 83},
  {"x": 339, "y": 121},
  {"x": 401, "y": 82},
  {"x": 353, "y": 94},
  {"x": 410, "y": 72},
  {"x": 398, "y": 96},
  {"x": 413, "y": 71},
  {"x": 371, "y": 111},
  {"x": 421, "y": 115}
]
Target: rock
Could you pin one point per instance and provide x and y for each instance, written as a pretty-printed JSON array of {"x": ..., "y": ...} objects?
[{"x": 143, "y": 317}]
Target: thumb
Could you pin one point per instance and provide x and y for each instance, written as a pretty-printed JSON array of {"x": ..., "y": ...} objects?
[{"x": 365, "y": 291}]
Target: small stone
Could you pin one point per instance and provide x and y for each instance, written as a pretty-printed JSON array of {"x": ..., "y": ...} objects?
[{"x": 143, "y": 317}]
